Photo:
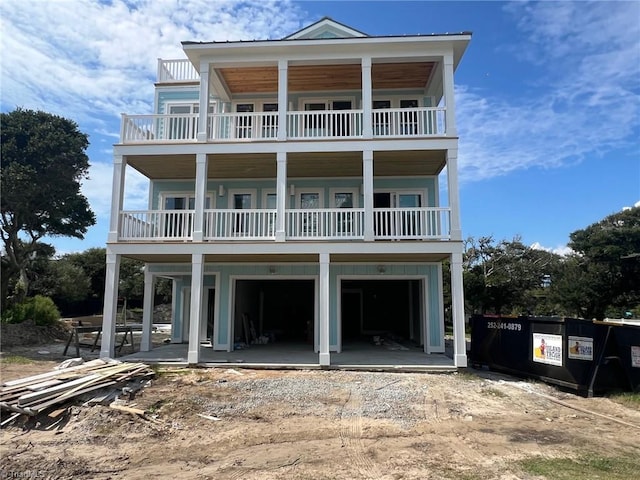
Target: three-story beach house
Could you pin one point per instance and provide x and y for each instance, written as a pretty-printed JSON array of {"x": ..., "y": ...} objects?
[{"x": 294, "y": 195}]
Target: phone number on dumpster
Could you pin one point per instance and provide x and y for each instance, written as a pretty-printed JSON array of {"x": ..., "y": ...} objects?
[{"x": 517, "y": 327}]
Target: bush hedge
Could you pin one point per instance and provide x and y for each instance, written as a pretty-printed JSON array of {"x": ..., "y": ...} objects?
[{"x": 40, "y": 309}]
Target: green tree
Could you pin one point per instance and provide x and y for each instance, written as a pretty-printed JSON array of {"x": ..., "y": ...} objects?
[
  {"x": 604, "y": 274},
  {"x": 506, "y": 277},
  {"x": 43, "y": 164}
]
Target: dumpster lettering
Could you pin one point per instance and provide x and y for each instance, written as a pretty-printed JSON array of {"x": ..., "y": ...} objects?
[
  {"x": 547, "y": 349},
  {"x": 505, "y": 326},
  {"x": 580, "y": 348}
]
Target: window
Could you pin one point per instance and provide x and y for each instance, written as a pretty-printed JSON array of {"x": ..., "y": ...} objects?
[
  {"x": 310, "y": 221},
  {"x": 241, "y": 221},
  {"x": 270, "y": 121}
]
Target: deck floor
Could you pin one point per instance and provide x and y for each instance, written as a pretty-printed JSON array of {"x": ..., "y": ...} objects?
[{"x": 299, "y": 355}]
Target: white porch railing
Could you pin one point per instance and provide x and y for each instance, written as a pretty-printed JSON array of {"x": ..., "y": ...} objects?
[
  {"x": 409, "y": 122},
  {"x": 239, "y": 224},
  {"x": 156, "y": 225},
  {"x": 237, "y": 126},
  {"x": 324, "y": 124},
  {"x": 418, "y": 223},
  {"x": 159, "y": 128},
  {"x": 325, "y": 224},
  {"x": 425, "y": 223},
  {"x": 255, "y": 126},
  {"x": 177, "y": 71}
]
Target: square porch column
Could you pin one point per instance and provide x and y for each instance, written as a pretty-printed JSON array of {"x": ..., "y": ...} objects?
[
  {"x": 281, "y": 196},
  {"x": 197, "y": 283},
  {"x": 283, "y": 84},
  {"x": 200, "y": 198},
  {"x": 367, "y": 180},
  {"x": 449, "y": 97},
  {"x": 457, "y": 308},
  {"x": 147, "y": 310},
  {"x": 110, "y": 310},
  {"x": 204, "y": 102},
  {"x": 117, "y": 195},
  {"x": 323, "y": 301},
  {"x": 367, "y": 99},
  {"x": 455, "y": 231}
]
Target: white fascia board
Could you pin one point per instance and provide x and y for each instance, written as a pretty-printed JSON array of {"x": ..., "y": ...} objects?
[
  {"x": 327, "y": 48},
  {"x": 289, "y": 247},
  {"x": 441, "y": 143}
]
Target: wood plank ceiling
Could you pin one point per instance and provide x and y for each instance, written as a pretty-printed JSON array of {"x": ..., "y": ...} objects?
[{"x": 327, "y": 77}]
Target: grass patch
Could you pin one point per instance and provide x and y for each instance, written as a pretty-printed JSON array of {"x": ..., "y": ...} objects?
[
  {"x": 15, "y": 359},
  {"x": 494, "y": 392},
  {"x": 627, "y": 399},
  {"x": 585, "y": 467}
]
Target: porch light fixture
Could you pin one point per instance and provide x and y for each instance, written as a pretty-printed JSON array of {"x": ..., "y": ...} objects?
[
  {"x": 292, "y": 189},
  {"x": 272, "y": 269},
  {"x": 221, "y": 190},
  {"x": 381, "y": 269}
]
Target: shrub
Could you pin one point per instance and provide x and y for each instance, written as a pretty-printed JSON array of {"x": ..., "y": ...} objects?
[{"x": 40, "y": 309}]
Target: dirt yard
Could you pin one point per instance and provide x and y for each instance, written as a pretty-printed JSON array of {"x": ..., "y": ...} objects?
[{"x": 261, "y": 424}]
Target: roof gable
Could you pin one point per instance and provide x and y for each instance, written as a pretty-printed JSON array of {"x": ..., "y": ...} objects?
[{"x": 325, "y": 28}]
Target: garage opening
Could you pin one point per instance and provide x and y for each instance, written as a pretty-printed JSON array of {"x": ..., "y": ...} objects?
[
  {"x": 274, "y": 311},
  {"x": 375, "y": 310}
]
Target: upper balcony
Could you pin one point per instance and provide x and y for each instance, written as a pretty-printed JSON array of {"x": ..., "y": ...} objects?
[{"x": 418, "y": 122}]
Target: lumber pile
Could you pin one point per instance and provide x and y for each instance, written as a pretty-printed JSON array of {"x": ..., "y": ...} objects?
[{"x": 97, "y": 381}]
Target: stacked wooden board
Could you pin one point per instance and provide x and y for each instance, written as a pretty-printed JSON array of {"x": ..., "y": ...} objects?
[{"x": 36, "y": 394}]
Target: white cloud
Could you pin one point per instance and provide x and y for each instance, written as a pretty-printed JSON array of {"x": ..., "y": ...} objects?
[
  {"x": 635, "y": 205},
  {"x": 86, "y": 60},
  {"x": 562, "y": 250},
  {"x": 585, "y": 57}
]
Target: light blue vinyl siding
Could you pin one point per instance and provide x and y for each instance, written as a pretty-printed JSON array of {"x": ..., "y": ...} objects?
[{"x": 325, "y": 185}]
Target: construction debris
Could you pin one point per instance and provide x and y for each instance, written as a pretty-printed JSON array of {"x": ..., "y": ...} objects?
[{"x": 97, "y": 381}]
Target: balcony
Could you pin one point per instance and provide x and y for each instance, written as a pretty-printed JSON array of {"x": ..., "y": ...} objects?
[
  {"x": 333, "y": 224},
  {"x": 417, "y": 122}
]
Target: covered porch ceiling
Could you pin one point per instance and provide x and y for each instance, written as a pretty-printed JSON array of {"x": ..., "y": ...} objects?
[
  {"x": 333, "y": 77},
  {"x": 318, "y": 164}
]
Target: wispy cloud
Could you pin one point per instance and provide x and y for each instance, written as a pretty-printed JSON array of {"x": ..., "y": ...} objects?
[
  {"x": 583, "y": 91},
  {"x": 87, "y": 60}
]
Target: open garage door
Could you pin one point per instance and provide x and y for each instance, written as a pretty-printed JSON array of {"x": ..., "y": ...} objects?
[
  {"x": 390, "y": 309},
  {"x": 278, "y": 310}
]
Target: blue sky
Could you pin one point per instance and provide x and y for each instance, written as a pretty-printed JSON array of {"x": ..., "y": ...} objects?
[{"x": 547, "y": 94}]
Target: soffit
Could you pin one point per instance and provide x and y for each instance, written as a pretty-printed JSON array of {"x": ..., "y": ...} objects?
[
  {"x": 305, "y": 78},
  {"x": 299, "y": 165}
]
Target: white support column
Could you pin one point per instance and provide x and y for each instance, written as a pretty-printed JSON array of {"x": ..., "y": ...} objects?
[
  {"x": 454, "y": 195},
  {"x": 367, "y": 99},
  {"x": 197, "y": 281},
  {"x": 324, "y": 357},
  {"x": 201, "y": 195},
  {"x": 283, "y": 85},
  {"x": 204, "y": 102},
  {"x": 367, "y": 179},
  {"x": 112, "y": 279},
  {"x": 176, "y": 327},
  {"x": 281, "y": 196},
  {"x": 147, "y": 310},
  {"x": 449, "y": 97},
  {"x": 457, "y": 308},
  {"x": 117, "y": 196}
]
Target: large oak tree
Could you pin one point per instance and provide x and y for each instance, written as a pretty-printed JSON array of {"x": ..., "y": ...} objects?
[{"x": 44, "y": 161}]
